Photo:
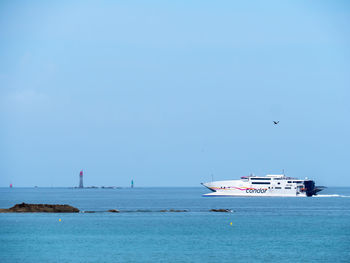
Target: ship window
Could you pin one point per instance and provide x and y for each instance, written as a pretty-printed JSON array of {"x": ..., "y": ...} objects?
[
  {"x": 279, "y": 183},
  {"x": 297, "y": 182},
  {"x": 260, "y": 182},
  {"x": 289, "y": 182},
  {"x": 287, "y": 188},
  {"x": 255, "y": 178},
  {"x": 278, "y": 187}
]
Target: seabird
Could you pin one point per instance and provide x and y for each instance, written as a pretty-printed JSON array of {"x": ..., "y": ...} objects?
[{"x": 276, "y": 122}]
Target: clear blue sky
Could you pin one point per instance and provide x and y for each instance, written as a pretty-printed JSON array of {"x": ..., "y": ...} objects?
[{"x": 169, "y": 92}]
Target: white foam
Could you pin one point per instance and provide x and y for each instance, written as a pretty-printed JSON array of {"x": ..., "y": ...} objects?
[{"x": 334, "y": 195}]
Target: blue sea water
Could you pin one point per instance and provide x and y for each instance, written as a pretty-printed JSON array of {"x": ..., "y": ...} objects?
[{"x": 313, "y": 229}]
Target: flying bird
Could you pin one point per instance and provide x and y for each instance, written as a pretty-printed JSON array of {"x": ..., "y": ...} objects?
[{"x": 276, "y": 122}]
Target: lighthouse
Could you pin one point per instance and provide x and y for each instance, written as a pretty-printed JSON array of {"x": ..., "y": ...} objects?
[{"x": 81, "y": 185}]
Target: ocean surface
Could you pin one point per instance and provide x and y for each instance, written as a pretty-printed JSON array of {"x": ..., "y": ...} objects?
[{"x": 267, "y": 229}]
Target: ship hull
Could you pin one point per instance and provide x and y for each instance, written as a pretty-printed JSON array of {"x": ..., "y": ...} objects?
[{"x": 228, "y": 194}]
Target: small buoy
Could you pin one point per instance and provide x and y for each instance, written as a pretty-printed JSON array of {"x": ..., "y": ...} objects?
[
  {"x": 231, "y": 224},
  {"x": 60, "y": 220}
]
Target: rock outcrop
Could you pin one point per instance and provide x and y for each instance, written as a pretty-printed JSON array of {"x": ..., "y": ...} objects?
[
  {"x": 221, "y": 210},
  {"x": 113, "y": 211},
  {"x": 40, "y": 208}
]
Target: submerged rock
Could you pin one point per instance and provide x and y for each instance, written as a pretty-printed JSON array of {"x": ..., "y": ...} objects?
[
  {"x": 40, "y": 208},
  {"x": 173, "y": 210},
  {"x": 113, "y": 211},
  {"x": 221, "y": 210}
]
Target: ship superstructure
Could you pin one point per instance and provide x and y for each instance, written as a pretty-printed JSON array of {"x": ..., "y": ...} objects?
[{"x": 269, "y": 185}]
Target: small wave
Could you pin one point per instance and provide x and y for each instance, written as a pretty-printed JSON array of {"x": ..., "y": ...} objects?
[{"x": 334, "y": 195}]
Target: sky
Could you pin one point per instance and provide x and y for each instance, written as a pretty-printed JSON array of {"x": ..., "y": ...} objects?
[{"x": 173, "y": 93}]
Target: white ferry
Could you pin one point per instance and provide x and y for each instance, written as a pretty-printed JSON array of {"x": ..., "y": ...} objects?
[{"x": 269, "y": 185}]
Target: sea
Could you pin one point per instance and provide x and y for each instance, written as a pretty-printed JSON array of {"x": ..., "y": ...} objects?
[{"x": 269, "y": 229}]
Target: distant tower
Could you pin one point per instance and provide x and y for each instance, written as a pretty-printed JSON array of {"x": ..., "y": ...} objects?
[
  {"x": 81, "y": 179},
  {"x": 132, "y": 183}
]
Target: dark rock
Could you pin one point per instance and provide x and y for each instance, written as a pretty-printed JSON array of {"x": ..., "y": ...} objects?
[
  {"x": 89, "y": 212},
  {"x": 221, "y": 210},
  {"x": 40, "y": 208},
  {"x": 113, "y": 211}
]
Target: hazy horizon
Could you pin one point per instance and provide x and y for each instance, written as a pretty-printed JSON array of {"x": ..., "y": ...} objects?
[{"x": 169, "y": 93}]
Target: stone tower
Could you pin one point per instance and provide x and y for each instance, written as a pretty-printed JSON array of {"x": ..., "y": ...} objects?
[{"x": 81, "y": 185}]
